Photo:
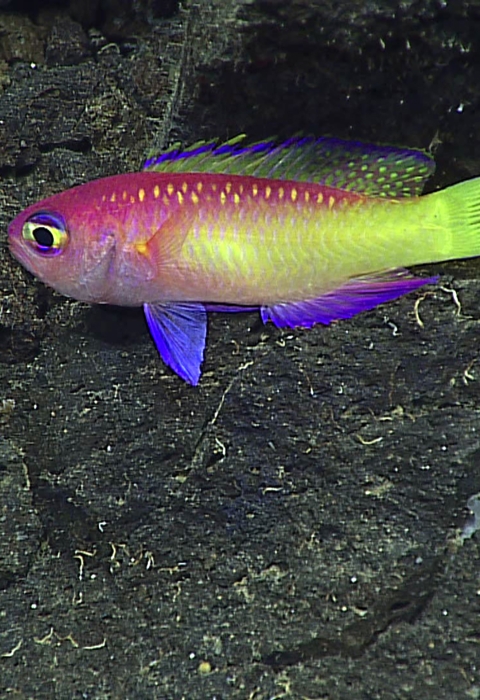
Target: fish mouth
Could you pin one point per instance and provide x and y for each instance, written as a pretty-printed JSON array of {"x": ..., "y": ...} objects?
[
  {"x": 21, "y": 253},
  {"x": 13, "y": 242}
]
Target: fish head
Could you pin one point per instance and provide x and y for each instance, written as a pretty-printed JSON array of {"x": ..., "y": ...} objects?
[{"x": 66, "y": 243}]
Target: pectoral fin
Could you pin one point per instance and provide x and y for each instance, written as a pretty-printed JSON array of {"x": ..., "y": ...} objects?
[
  {"x": 179, "y": 332},
  {"x": 356, "y": 295}
]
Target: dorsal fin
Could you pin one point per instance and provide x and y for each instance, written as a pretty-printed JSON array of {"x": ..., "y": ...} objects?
[{"x": 376, "y": 171}]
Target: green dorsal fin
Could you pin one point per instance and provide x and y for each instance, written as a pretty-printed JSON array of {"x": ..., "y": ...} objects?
[{"x": 376, "y": 171}]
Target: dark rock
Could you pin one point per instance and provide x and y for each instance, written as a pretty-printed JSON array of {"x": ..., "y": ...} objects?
[{"x": 292, "y": 524}]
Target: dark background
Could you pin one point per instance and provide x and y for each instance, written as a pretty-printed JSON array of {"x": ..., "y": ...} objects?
[{"x": 292, "y": 527}]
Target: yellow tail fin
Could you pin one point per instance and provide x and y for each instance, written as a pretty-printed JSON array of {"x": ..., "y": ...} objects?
[{"x": 461, "y": 209}]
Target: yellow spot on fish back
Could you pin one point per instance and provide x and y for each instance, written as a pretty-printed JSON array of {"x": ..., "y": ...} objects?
[
  {"x": 165, "y": 200},
  {"x": 124, "y": 195},
  {"x": 240, "y": 188},
  {"x": 104, "y": 197},
  {"x": 293, "y": 194},
  {"x": 268, "y": 191},
  {"x": 180, "y": 197},
  {"x": 194, "y": 198},
  {"x": 156, "y": 191},
  {"x": 281, "y": 192},
  {"x": 254, "y": 190},
  {"x": 170, "y": 189},
  {"x": 199, "y": 187},
  {"x": 319, "y": 198},
  {"x": 228, "y": 187},
  {"x": 132, "y": 199},
  {"x": 307, "y": 196},
  {"x": 223, "y": 197},
  {"x": 236, "y": 198},
  {"x": 331, "y": 202},
  {"x": 141, "y": 194},
  {"x": 113, "y": 197},
  {"x": 184, "y": 187}
]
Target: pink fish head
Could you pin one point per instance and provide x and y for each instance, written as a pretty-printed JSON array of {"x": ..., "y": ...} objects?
[
  {"x": 83, "y": 242},
  {"x": 59, "y": 242}
]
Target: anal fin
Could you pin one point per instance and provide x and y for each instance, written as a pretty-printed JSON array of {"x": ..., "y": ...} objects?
[{"x": 357, "y": 295}]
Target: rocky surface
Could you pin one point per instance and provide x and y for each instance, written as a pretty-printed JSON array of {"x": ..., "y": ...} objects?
[{"x": 293, "y": 526}]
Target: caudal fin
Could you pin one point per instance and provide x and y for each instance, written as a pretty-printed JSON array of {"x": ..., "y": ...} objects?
[{"x": 462, "y": 209}]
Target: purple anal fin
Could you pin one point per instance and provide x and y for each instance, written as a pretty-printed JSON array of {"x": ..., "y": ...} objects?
[
  {"x": 179, "y": 332},
  {"x": 356, "y": 295}
]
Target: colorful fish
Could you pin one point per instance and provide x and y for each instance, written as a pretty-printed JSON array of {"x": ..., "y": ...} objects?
[{"x": 307, "y": 231}]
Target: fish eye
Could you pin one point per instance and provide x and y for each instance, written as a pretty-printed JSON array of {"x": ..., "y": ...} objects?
[{"x": 46, "y": 233}]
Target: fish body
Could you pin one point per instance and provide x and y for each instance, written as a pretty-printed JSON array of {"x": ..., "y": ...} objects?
[
  {"x": 217, "y": 238},
  {"x": 308, "y": 231}
]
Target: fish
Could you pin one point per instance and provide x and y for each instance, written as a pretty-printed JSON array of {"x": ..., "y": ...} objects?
[{"x": 305, "y": 230}]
